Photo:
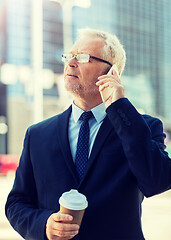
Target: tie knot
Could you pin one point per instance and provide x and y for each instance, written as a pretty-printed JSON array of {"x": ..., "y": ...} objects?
[{"x": 85, "y": 116}]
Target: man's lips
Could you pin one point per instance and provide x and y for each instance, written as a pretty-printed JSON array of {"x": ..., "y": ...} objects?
[{"x": 72, "y": 75}]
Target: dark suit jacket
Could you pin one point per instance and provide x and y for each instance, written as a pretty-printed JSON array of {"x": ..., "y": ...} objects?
[{"x": 127, "y": 162}]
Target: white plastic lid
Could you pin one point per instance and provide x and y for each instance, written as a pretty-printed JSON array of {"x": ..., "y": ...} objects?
[{"x": 73, "y": 200}]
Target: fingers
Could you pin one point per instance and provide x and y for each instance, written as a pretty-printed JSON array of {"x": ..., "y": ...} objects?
[
  {"x": 62, "y": 217},
  {"x": 106, "y": 78},
  {"x": 110, "y": 88},
  {"x": 61, "y": 235},
  {"x": 105, "y": 85},
  {"x": 58, "y": 227}
]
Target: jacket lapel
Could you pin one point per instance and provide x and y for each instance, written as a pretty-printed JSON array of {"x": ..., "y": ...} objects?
[{"x": 63, "y": 124}]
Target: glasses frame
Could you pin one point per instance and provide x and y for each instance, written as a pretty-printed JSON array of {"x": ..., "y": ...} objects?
[{"x": 89, "y": 56}]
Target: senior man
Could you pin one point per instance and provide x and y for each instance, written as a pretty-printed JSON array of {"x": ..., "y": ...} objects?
[{"x": 105, "y": 149}]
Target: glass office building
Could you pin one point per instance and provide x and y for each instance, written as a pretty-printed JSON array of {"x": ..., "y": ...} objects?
[
  {"x": 142, "y": 26},
  {"x": 17, "y": 35}
]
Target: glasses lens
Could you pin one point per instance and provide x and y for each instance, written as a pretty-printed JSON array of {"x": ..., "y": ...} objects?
[
  {"x": 82, "y": 58},
  {"x": 66, "y": 57}
]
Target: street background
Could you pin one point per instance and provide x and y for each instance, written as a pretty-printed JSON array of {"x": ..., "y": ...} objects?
[{"x": 156, "y": 215}]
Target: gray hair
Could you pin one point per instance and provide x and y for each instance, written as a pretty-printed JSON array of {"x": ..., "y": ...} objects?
[{"x": 113, "y": 49}]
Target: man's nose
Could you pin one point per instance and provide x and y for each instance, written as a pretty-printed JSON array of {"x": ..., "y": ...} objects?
[{"x": 73, "y": 63}]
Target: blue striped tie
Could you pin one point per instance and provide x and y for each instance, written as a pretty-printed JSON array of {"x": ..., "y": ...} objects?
[{"x": 82, "y": 151}]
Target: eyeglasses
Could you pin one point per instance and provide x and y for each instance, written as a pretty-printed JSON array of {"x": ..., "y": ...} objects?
[{"x": 81, "y": 58}]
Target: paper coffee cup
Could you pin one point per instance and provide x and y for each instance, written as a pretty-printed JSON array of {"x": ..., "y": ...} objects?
[{"x": 73, "y": 203}]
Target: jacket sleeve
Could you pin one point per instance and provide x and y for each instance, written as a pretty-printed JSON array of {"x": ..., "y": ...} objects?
[
  {"x": 21, "y": 208},
  {"x": 142, "y": 139}
]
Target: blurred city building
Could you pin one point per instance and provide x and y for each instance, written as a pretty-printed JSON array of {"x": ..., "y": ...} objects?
[{"x": 142, "y": 26}]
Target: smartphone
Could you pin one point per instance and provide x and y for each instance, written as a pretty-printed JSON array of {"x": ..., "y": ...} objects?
[{"x": 106, "y": 93}]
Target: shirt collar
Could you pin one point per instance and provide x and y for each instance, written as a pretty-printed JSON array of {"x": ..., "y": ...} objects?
[{"x": 99, "y": 112}]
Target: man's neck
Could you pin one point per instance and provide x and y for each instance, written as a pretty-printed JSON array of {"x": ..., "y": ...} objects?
[{"x": 86, "y": 105}]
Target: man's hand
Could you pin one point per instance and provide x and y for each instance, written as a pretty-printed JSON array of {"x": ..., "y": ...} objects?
[
  {"x": 112, "y": 81},
  {"x": 58, "y": 227}
]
